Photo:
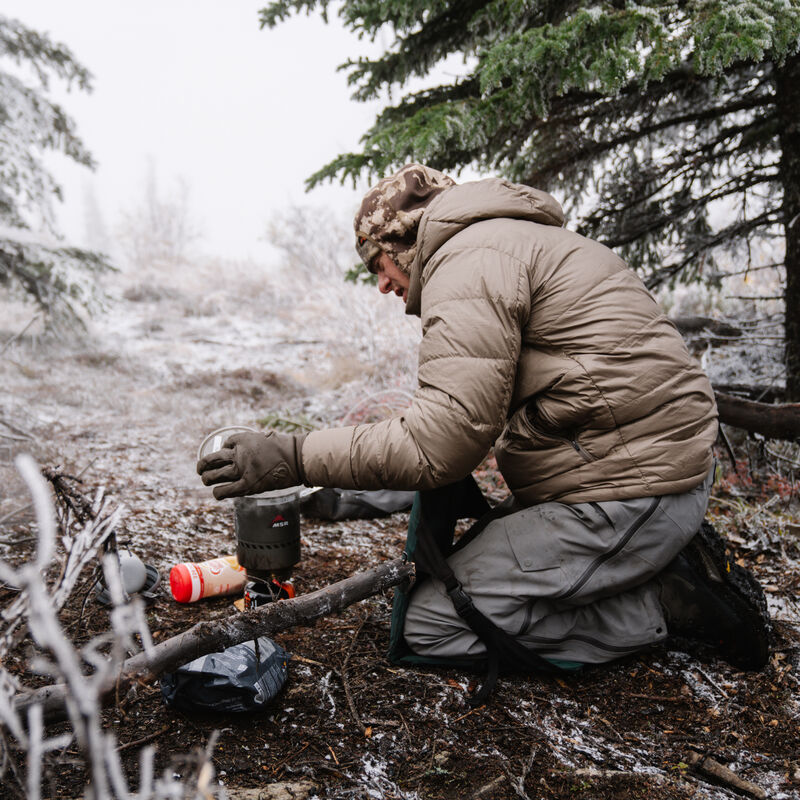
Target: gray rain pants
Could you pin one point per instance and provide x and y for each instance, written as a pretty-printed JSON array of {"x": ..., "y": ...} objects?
[{"x": 574, "y": 582}]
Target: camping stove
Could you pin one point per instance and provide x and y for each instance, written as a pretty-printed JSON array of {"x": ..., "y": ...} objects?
[
  {"x": 267, "y": 530},
  {"x": 268, "y": 534}
]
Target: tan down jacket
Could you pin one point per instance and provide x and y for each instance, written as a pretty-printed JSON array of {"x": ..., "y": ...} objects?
[{"x": 543, "y": 343}]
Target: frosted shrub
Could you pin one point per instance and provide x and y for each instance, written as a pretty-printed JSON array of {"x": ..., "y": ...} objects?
[
  {"x": 369, "y": 338},
  {"x": 83, "y": 672}
]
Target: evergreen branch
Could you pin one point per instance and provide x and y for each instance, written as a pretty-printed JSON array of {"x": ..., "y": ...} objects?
[
  {"x": 25, "y": 45},
  {"x": 280, "y": 10},
  {"x": 416, "y": 54},
  {"x": 681, "y": 211},
  {"x": 593, "y": 149},
  {"x": 730, "y": 233},
  {"x": 58, "y": 279}
]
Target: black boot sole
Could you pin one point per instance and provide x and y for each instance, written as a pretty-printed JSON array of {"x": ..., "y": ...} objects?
[{"x": 707, "y": 554}]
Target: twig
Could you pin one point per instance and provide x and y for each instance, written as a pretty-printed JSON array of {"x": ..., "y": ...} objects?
[
  {"x": 488, "y": 789},
  {"x": 464, "y": 716},
  {"x": 98, "y": 524},
  {"x": 143, "y": 740},
  {"x": 775, "y": 455},
  {"x": 707, "y": 765},
  {"x": 14, "y": 514},
  {"x": 723, "y": 501},
  {"x": 594, "y": 772},
  {"x": 727, "y": 442},
  {"x": 674, "y": 698},
  {"x": 518, "y": 784},
  {"x": 712, "y": 682},
  {"x": 304, "y": 660},
  {"x": 405, "y": 727},
  {"x": 16, "y": 429},
  {"x": 611, "y": 728},
  {"x": 294, "y": 755},
  {"x": 345, "y": 682},
  {"x": 10, "y": 341}
]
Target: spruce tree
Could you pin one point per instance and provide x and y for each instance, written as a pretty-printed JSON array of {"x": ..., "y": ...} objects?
[
  {"x": 34, "y": 261},
  {"x": 655, "y": 120}
]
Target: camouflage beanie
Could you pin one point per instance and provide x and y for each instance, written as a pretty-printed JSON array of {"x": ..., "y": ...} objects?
[{"x": 390, "y": 212}]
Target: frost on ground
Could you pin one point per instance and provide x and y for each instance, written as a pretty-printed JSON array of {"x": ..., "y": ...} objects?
[{"x": 179, "y": 354}]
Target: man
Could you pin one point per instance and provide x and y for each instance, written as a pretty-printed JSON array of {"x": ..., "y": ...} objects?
[{"x": 543, "y": 344}]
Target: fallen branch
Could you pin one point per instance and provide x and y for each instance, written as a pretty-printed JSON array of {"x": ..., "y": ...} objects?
[
  {"x": 692, "y": 325},
  {"x": 214, "y": 636},
  {"x": 762, "y": 393},
  {"x": 722, "y": 774},
  {"x": 618, "y": 774},
  {"x": 771, "y": 421}
]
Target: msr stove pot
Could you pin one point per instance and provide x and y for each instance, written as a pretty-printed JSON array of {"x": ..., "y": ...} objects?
[
  {"x": 267, "y": 525},
  {"x": 268, "y": 534}
]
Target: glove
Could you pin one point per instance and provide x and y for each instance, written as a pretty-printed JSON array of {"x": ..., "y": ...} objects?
[{"x": 249, "y": 463}]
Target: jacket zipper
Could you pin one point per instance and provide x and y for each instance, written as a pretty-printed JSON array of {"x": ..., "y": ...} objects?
[
  {"x": 579, "y": 448},
  {"x": 573, "y": 443}
]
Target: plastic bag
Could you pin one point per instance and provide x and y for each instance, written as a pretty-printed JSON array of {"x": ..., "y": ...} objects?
[
  {"x": 337, "y": 504},
  {"x": 233, "y": 681}
]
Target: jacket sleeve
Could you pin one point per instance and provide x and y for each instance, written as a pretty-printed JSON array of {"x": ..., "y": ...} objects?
[{"x": 474, "y": 304}]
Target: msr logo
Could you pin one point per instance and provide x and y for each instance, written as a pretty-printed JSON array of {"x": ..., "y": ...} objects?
[{"x": 279, "y": 522}]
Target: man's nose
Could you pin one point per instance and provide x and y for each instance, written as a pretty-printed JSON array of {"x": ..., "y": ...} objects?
[{"x": 384, "y": 284}]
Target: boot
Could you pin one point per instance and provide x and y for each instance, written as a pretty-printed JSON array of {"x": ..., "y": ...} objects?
[{"x": 708, "y": 598}]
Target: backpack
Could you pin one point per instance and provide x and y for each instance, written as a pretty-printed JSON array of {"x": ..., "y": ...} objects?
[{"x": 431, "y": 527}]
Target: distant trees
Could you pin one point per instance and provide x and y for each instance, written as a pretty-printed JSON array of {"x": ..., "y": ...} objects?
[
  {"x": 34, "y": 262},
  {"x": 159, "y": 232},
  {"x": 672, "y": 128}
]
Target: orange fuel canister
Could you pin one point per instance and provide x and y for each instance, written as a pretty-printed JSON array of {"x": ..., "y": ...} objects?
[{"x": 193, "y": 581}]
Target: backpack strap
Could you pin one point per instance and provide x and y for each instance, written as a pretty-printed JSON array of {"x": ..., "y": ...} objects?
[{"x": 434, "y": 542}]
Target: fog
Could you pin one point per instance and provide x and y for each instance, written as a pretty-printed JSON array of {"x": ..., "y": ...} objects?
[{"x": 194, "y": 95}]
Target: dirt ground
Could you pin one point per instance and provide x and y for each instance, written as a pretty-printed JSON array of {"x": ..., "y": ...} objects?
[{"x": 126, "y": 408}]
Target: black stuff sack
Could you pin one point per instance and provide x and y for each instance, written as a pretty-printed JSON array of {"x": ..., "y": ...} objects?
[{"x": 237, "y": 680}]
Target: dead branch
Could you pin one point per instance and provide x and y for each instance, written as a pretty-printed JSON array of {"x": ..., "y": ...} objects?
[
  {"x": 707, "y": 325},
  {"x": 722, "y": 774},
  {"x": 214, "y": 636},
  {"x": 771, "y": 421},
  {"x": 617, "y": 774},
  {"x": 763, "y": 393}
]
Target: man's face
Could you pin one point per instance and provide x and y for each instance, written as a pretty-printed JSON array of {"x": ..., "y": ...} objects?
[{"x": 390, "y": 277}]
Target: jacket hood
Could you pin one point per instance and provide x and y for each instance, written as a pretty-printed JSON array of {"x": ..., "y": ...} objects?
[{"x": 461, "y": 205}]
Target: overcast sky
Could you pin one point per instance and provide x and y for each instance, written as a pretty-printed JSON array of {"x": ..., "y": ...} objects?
[{"x": 242, "y": 115}]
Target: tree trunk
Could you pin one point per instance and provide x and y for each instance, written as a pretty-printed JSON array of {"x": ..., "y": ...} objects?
[
  {"x": 771, "y": 421},
  {"x": 787, "y": 97}
]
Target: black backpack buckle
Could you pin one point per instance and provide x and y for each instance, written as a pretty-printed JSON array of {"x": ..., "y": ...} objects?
[{"x": 462, "y": 602}]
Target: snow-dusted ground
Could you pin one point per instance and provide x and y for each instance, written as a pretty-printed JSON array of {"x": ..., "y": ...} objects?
[{"x": 178, "y": 355}]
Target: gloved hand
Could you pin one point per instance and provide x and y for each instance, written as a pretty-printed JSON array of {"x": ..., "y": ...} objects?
[{"x": 249, "y": 463}]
